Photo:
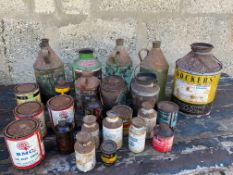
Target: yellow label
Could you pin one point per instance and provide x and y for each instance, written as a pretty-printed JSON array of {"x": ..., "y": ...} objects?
[
  {"x": 62, "y": 91},
  {"x": 195, "y": 89},
  {"x": 108, "y": 160},
  {"x": 28, "y": 97}
]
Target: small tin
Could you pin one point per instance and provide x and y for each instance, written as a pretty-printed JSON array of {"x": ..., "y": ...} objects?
[
  {"x": 32, "y": 110},
  {"x": 62, "y": 87},
  {"x": 24, "y": 143},
  {"x": 61, "y": 107},
  {"x": 108, "y": 152},
  {"x": 163, "y": 138},
  {"x": 27, "y": 92},
  {"x": 168, "y": 113}
]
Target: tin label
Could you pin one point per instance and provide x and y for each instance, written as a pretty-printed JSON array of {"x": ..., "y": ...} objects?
[
  {"x": 115, "y": 135},
  {"x": 195, "y": 89},
  {"x": 168, "y": 117},
  {"x": 162, "y": 144},
  {"x": 136, "y": 142},
  {"x": 34, "y": 96}
]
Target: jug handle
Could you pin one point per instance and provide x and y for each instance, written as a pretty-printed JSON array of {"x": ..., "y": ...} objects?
[{"x": 140, "y": 53}]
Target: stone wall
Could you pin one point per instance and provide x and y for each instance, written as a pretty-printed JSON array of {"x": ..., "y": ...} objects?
[{"x": 72, "y": 24}]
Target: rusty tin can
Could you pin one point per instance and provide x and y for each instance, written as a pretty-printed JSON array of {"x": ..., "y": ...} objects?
[
  {"x": 90, "y": 125},
  {"x": 62, "y": 87},
  {"x": 125, "y": 113},
  {"x": 108, "y": 152},
  {"x": 137, "y": 135},
  {"x": 149, "y": 115},
  {"x": 85, "y": 151},
  {"x": 24, "y": 143},
  {"x": 163, "y": 138},
  {"x": 61, "y": 107},
  {"x": 27, "y": 92},
  {"x": 32, "y": 110},
  {"x": 113, "y": 128},
  {"x": 168, "y": 113}
]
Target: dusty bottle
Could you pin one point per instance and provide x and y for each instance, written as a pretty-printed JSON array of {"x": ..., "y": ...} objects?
[
  {"x": 48, "y": 69},
  {"x": 64, "y": 137},
  {"x": 156, "y": 62},
  {"x": 90, "y": 125}
]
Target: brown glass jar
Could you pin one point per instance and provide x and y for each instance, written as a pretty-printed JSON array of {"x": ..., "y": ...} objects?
[{"x": 93, "y": 107}]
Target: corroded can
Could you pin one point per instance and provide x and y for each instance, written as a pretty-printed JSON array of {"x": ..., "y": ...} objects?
[
  {"x": 24, "y": 143},
  {"x": 85, "y": 151},
  {"x": 90, "y": 125},
  {"x": 62, "y": 87},
  {"x": 137, "y": 135},
  {"x": 168, "y": 113},
  {"x": 196, "y": 79},
  {"x": 61, "y": 107},
  {"x": 27, "y": 92},
  {"x": 32, "y": 110},
  {"x": 108, "y": 152},
  {"x": 149, "y": 115},
  {"x": 125, "y": 113},
  {"x": 113, "y": 128},
  {"x": 163, "y": 138}
]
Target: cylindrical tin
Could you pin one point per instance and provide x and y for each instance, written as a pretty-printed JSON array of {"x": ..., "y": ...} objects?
[
  {"x": 27, "y": 92},
  {"x": 149, "y": 115},
  {"x": 163, "y": 138},
  {"x": 137, "y": 135},
  {"x": 168, "y": 113},
  {"x": 24, "y": 143},
  {"x": 32, "y": 110},
  {"x": 90, "y": 125},
  {"x": 196, "y": 79},
  {"x": 125, "y": 113},
  {"x": 85, "y": 152},
  {"x": 61, "y": 107},
  {"x": 113, "y": 128},
  {"x": 62, "y": 87},
  {"x": 108, "y": 152}
]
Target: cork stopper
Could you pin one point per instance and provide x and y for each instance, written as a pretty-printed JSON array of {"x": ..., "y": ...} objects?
[
  {"x": 89, "y": 119},
  {"x": 138, "y": 122},
  {"x": 112, "y": 116},
  {"x": 83, "y": 137},
  {"x": 148, "y": 105},
  {"x": 156, "y": 44},
  {"x": 119, "y": 42}
]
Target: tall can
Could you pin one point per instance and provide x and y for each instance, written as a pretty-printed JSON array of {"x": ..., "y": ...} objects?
[
  {"x": 113, "y": 128},
  {"x": 61, "y": 107},
  {"x": 27, "y": 92},
  {"x": 196, "y": 79},
  {"x": 32, "y": 110},
  {"x": 24, "y": 143}
]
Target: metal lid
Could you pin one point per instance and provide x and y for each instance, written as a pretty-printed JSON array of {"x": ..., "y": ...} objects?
[
  {"x": 61, "y": 84},
  {"x": 86, "y": 51},
  {"x": 83, "y": 137},
  {"x": 148, "y": 105},
  {"x": 138, "y": 122},
  {"x": 113, "y": 83},
  {"x": 28, "y": 109},
  {"x": 122, "y": 110},
  {"x": 25, "y": 88},
  {"x": 21, "y": 128},
  {"x": 60, "y": 102},
  {"x": 164, "y": 130},
  {"x": 87, "y": 81},
  {"x": 89, "y": 119},
  {"x": 168, "y": 106},
  {"x": 108, "y": 147},
  {"x": 111, "y": 114}
]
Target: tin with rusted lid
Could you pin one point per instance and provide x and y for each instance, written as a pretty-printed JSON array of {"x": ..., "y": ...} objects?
[
  {"x": 108, "y": 152},
  {"x": 60, "y": 102},
  {"x": 62, "y": 87}
]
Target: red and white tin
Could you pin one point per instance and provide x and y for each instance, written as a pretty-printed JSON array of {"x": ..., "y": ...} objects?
[
  {"x": 24, "y": 143},
  {"x": 61, "y": 107}
]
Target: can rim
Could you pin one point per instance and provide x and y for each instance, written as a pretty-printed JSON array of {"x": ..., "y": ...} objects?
[
  {"x": 176, "y": 107},
  {"x": 58, "y": 108},
  {"x": 36, "y": 87},
  {"x": 113, "y": 144}
]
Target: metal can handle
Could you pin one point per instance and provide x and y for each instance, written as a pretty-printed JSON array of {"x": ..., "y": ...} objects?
[{"x": 140, "y": 53}]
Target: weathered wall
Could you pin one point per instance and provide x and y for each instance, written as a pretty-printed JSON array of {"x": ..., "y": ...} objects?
[{"x": 72, "y": 24}]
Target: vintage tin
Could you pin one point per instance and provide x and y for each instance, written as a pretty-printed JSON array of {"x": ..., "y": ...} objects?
[
  {"x": 113, "y": 128},
  {"x": 149, "y": 115},
  {"x": 113, "y": 91},
  {"x": 32, "y": 110},
  {"x": 24, "y": 143},
  {"x": 168, "y": 113},
  {"x": 125, "y": 113},
  {"x": 61, "y": 107},
  {"x": 108, "y": 152},
  {"x": 137, "y": 135},
  {"x": 196, "y": 79},
  {"x": 85, "y": 152},
  {"x": 27, "y": 92},
  {"x": 62, "y": 87},
  {"x": 163, "y": 138},
  {"x": 90, "y": 125}
]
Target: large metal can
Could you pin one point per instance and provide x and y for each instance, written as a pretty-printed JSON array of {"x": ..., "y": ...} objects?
[{"x": 196, "y": 79}]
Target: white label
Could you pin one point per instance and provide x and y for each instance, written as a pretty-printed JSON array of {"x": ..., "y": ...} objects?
[
  {"x": 136, "y": 142},
  {"x": 25, "y": 152},
  {"x": 85, "y": 162},
  {"x": 115, "y": 135}
]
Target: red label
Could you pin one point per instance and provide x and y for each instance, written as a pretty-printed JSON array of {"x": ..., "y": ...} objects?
[
  {"x": 162, "y": 144},
  {"x": 88, "y": 63}
]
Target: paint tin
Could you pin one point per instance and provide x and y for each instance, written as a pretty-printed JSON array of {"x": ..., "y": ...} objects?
[
  {"x": 108, "y": 152},
  {"x": 62, "y": 87},
  {"x": 32, "y": 110},
  {"x": 163, "y": 138},
  {"x": 61, "y": 107},
  {"x": 27, "y": 92},
  {"x": 168, "y": 113},
  {"x": 137, "y": 135},
  {"x": 24, "y": 143}
]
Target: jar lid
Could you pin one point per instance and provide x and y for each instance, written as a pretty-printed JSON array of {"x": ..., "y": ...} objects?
[
  {"x": 25, "y": 88},
  {"x": 168, "y": 106},
  {"x": 108, "y": 147},
  {"x": 83, "y": 137},
  {"x": 138, "y": 122},
  {"x": 89, "y": 119},
  {"x": 113, "y": 83},
  {"x": 60, "y": 102},
  {"x": 28, "y": 109},
  {"x": 164, "y": 130},
  {"x": 122, "y": 110},
  {"x": 148, "y": 105}
]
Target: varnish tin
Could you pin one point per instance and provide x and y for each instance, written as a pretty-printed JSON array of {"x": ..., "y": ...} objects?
[
  {"x": 24, "y": 143},
  {"x": 108, "y": 152},
  {"x": 61, "y": 107},
  {"x": 27, "y": 92}
]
